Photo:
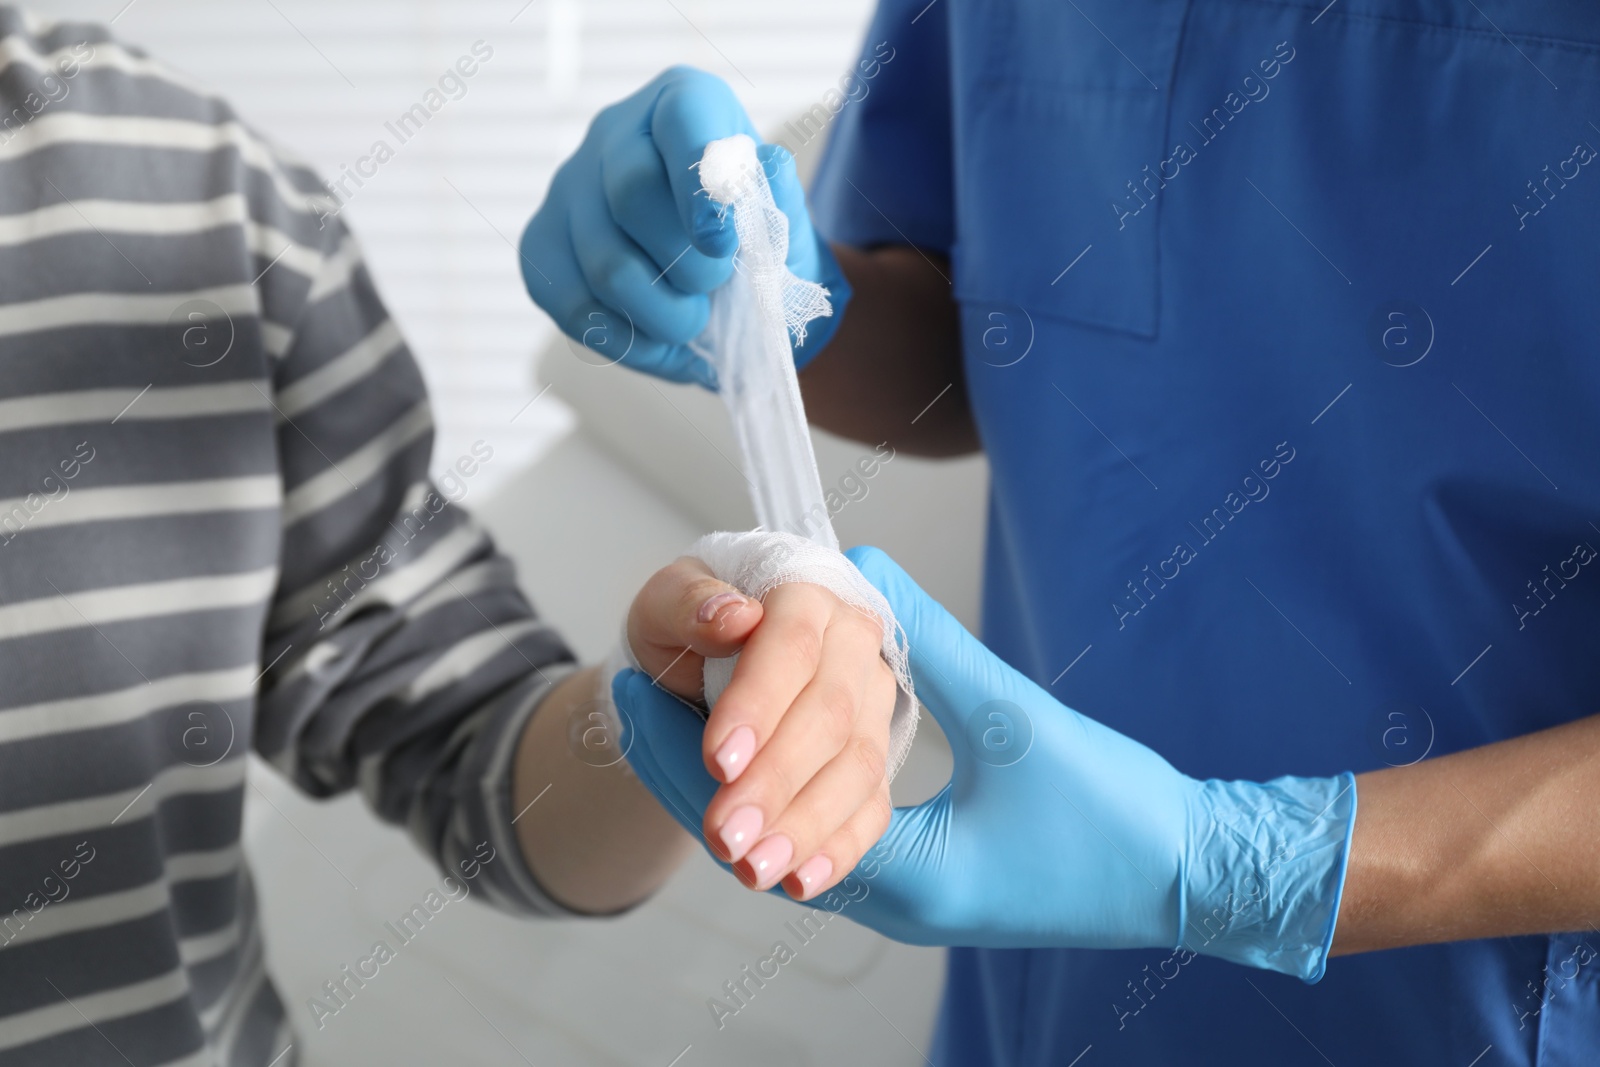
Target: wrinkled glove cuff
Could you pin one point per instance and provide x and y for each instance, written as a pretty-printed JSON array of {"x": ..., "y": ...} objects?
[{"x": 1265, "y": 871}]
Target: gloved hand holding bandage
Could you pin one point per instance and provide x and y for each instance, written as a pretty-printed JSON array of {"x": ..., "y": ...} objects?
[
  {"x": 1086, "y": 839},
  {"x": 627, "y": 245}
]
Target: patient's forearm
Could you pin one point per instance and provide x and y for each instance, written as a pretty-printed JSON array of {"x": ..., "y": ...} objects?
[
  {"x": 892, "y": 371},
  {"x": 594, "y": 837}
]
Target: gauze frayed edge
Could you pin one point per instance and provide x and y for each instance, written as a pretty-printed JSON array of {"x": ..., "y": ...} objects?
[
  {"x": 757, "y": 562},
  {"x": 732, "y": 176}
]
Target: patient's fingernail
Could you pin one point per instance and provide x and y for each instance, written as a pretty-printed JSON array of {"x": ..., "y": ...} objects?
[
  {"x": 768, "y": 860},
  {"x": 813, "y": 874},
  {"x": 739, "y": 832},
  {"x": 708, "y": 610},
  {"x": 735, "y": 753}
]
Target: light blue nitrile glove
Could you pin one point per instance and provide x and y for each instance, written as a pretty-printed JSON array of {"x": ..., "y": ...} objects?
[
  {"x": 1055, "y": 831},
  {"x": 626, "y": 246}
]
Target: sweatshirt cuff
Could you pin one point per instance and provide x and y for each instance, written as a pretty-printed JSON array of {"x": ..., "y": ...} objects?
[{"x": 485, "y": 819}]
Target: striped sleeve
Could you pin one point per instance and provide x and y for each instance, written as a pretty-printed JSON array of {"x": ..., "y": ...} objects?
[{"x": 403, "y": 657}]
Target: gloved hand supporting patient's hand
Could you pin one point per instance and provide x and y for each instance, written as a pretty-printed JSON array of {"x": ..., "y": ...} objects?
[{"x": 1089, "y": 839}]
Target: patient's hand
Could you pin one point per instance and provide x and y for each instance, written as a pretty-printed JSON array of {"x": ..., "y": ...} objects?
[{"x": 799, "y": 738}]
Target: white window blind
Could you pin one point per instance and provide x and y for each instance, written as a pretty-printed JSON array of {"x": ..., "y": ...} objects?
[{"x": 439, "y": 219}]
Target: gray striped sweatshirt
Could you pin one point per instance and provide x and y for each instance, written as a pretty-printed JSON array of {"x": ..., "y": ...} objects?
[{"x": 216, "y": 532}]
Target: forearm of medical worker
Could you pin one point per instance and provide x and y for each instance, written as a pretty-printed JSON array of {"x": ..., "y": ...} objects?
[
  {"x": 1490, "y": 842},
  {"x": 892, "y": 370}
]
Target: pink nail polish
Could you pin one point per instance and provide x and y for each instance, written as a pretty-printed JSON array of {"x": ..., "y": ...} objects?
[
  {"x": 813, "y": 873},
  {"x": 734, "y": 755},
  {"x": 709, "y": 609},
  {"x": 739, "y": 831},
  {"x": 768, "y": 860}
]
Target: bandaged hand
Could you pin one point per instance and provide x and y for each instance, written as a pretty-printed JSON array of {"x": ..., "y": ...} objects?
[
  {"x": 795, "y": 750},
  {"x": 1072, "y": 836},
  {"x": 626, "y": 246}
]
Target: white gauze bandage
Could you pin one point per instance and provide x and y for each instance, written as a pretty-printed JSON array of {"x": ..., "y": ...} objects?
[{"x": 746, "y": 340}]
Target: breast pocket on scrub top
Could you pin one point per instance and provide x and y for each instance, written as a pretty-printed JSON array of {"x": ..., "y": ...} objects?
[{"x": 1065, "y": 106}]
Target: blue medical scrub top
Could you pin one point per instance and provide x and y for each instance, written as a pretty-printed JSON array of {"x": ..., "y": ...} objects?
[{"x": 1280, "y": 325}]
